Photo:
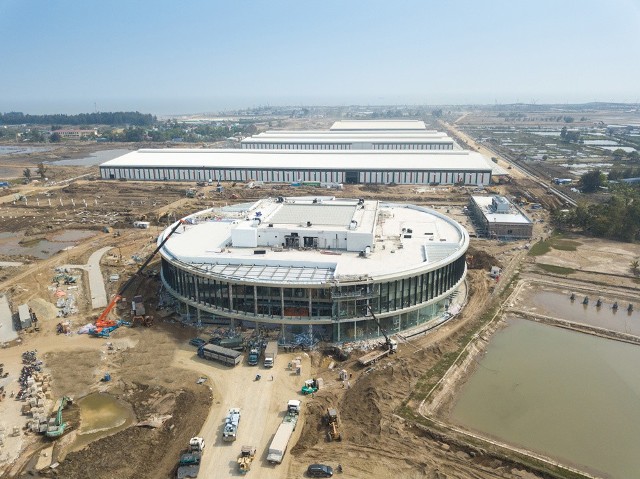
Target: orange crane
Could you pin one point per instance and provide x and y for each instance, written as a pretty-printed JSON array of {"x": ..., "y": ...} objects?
[{"x": 102, "y": 319}]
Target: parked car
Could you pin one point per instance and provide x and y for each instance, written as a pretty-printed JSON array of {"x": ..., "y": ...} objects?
[
  {"x": 319, "y": 470},
  {"x": 197, "y": 342}
]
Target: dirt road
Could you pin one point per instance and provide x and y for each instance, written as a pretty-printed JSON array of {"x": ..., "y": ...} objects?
[{"x": 262, "y": 404}]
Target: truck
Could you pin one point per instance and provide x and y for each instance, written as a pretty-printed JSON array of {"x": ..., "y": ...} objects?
[
  {"x": 270, "y": 354},
  {"x": 374, "y": 356},
  {"x": 231, "y": 423},
  {"x": 254, "y": 356},
  {"x": 236, "y": 342},
  {"x": 281, "y": 439},
  {"x": 226, "y": 356},
  {"x": 189, "y": 464},
  {"x": 247, "y": 454}
]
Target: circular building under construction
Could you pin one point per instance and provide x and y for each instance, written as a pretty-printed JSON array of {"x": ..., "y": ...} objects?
[{"x": 316, "y": 265}]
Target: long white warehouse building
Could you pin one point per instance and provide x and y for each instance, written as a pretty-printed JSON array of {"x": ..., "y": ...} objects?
[
  {"x": 278, "y": 166},
  {"x": 355, "y": 135},
  {"x": 352, "y": 141}
]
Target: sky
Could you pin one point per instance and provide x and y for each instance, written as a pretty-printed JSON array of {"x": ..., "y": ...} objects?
[{"x": 191, "y": 56}]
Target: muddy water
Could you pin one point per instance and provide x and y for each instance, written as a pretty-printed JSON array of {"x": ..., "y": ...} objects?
[
  {"x": 558, "y": 305},
  {"x": 567, "y": 395},
  {"x": 15, "y": 244},
  {"x": 101, "y": 415},
  {"x": 94, "y": 158}
]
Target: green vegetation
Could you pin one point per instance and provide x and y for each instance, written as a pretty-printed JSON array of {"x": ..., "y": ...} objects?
[
  {"x": 540, "y": 248},
  {"x": 552, "y": 268},
  {"x": 570, "y": 136},
  {"x": 615, "y": 218},
  {"x": 593, "y": 181},
  {"x": 106, "y": 118},
  {"x": 557, "y": 241}
]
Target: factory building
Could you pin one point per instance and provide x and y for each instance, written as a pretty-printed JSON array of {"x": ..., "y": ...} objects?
[
  {"x": 317, "y": 264},
  {"x": 379, "y": 125},
  {"x": 347, "y": 142},
  {"x": 355, "y": 135},
  {"x": 496, "y": 217},
  {"x": 288, "y": 166}
]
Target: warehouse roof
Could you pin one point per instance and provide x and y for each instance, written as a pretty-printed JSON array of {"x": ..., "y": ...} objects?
[
  {"x": 443, "y": 160},
  {"x": 350, "y": 134},
  {"x": 378, "y": 125},
  {"x": 347, "y": 139}
]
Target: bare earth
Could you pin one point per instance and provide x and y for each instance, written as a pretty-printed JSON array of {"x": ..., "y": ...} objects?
[{"x": 155, "y": 370}]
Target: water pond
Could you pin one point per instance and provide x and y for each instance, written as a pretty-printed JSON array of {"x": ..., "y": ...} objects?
[
  {"x": 567, "y": 395},
  {"x": 101, "y": 415}
]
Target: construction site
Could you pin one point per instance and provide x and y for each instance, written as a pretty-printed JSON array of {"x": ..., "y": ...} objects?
[{"x": 108, "y": 378}]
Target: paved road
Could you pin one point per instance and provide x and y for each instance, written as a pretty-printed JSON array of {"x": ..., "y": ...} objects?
[{"x": 96, "y": 281}]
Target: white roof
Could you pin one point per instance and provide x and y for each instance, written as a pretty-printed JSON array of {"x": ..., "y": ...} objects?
[
  {"x": 379, "y": 125},
  {"x": 347, "y": 139},
  {"x": 444, "y": 160},
  {"x": 514, "y": 216},
  {"x": 433, "y": 240},
  {"x": 350, "y": 134}
]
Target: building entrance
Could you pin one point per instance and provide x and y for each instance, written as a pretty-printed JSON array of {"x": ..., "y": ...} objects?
[{"x": 352, "y": 177}]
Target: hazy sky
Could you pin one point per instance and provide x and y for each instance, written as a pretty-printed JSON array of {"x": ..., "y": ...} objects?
[{"x": 204, "y": 55}]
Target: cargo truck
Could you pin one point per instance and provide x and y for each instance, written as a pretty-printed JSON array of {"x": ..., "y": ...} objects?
[
  {"x": 218, "y": 353},
  {"x": 281, "y": 439},
  {"x": 270, "y": 354}
]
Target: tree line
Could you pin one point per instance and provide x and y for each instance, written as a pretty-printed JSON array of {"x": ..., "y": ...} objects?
[
  {"x": 101, "y": 118},
  {"x": 618, "y": 217}
]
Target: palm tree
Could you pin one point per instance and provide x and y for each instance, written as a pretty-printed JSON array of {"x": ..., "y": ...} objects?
[{"x": 635, "y": 266}]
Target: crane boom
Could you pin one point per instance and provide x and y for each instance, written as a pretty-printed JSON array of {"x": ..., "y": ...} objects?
[
  {"x": 130, "y": 281},
  {"x": 391, "y": 344}
]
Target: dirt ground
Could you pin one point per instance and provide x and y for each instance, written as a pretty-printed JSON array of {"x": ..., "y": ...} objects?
[{"x": 155, "y": 370}]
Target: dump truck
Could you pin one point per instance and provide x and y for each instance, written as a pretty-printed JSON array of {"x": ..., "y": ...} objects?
[
  {"x": 231, "y": 423},
  {"x": 373, "y": 356},
  {"x": 218, "y": 353},
  {"x": 247, "y": 454},
  {"x": 332, "y": 423},
  {"x": 281, "y": 439},
  {"x": 270, "y": 354},
  {"x": 189, "y": 464}
]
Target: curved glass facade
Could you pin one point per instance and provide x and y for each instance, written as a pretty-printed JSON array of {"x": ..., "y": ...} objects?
[{"x": 339, "y": 310}]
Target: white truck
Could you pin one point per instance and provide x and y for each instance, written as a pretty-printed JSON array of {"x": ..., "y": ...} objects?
[
  {"x": 231, "y": 423},
  {"x": 281, "y": 439},
  {"x": 270, "y": 354}
]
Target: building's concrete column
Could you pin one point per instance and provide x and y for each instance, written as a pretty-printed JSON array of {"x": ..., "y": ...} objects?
[{"x": 282, "y": 303}]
